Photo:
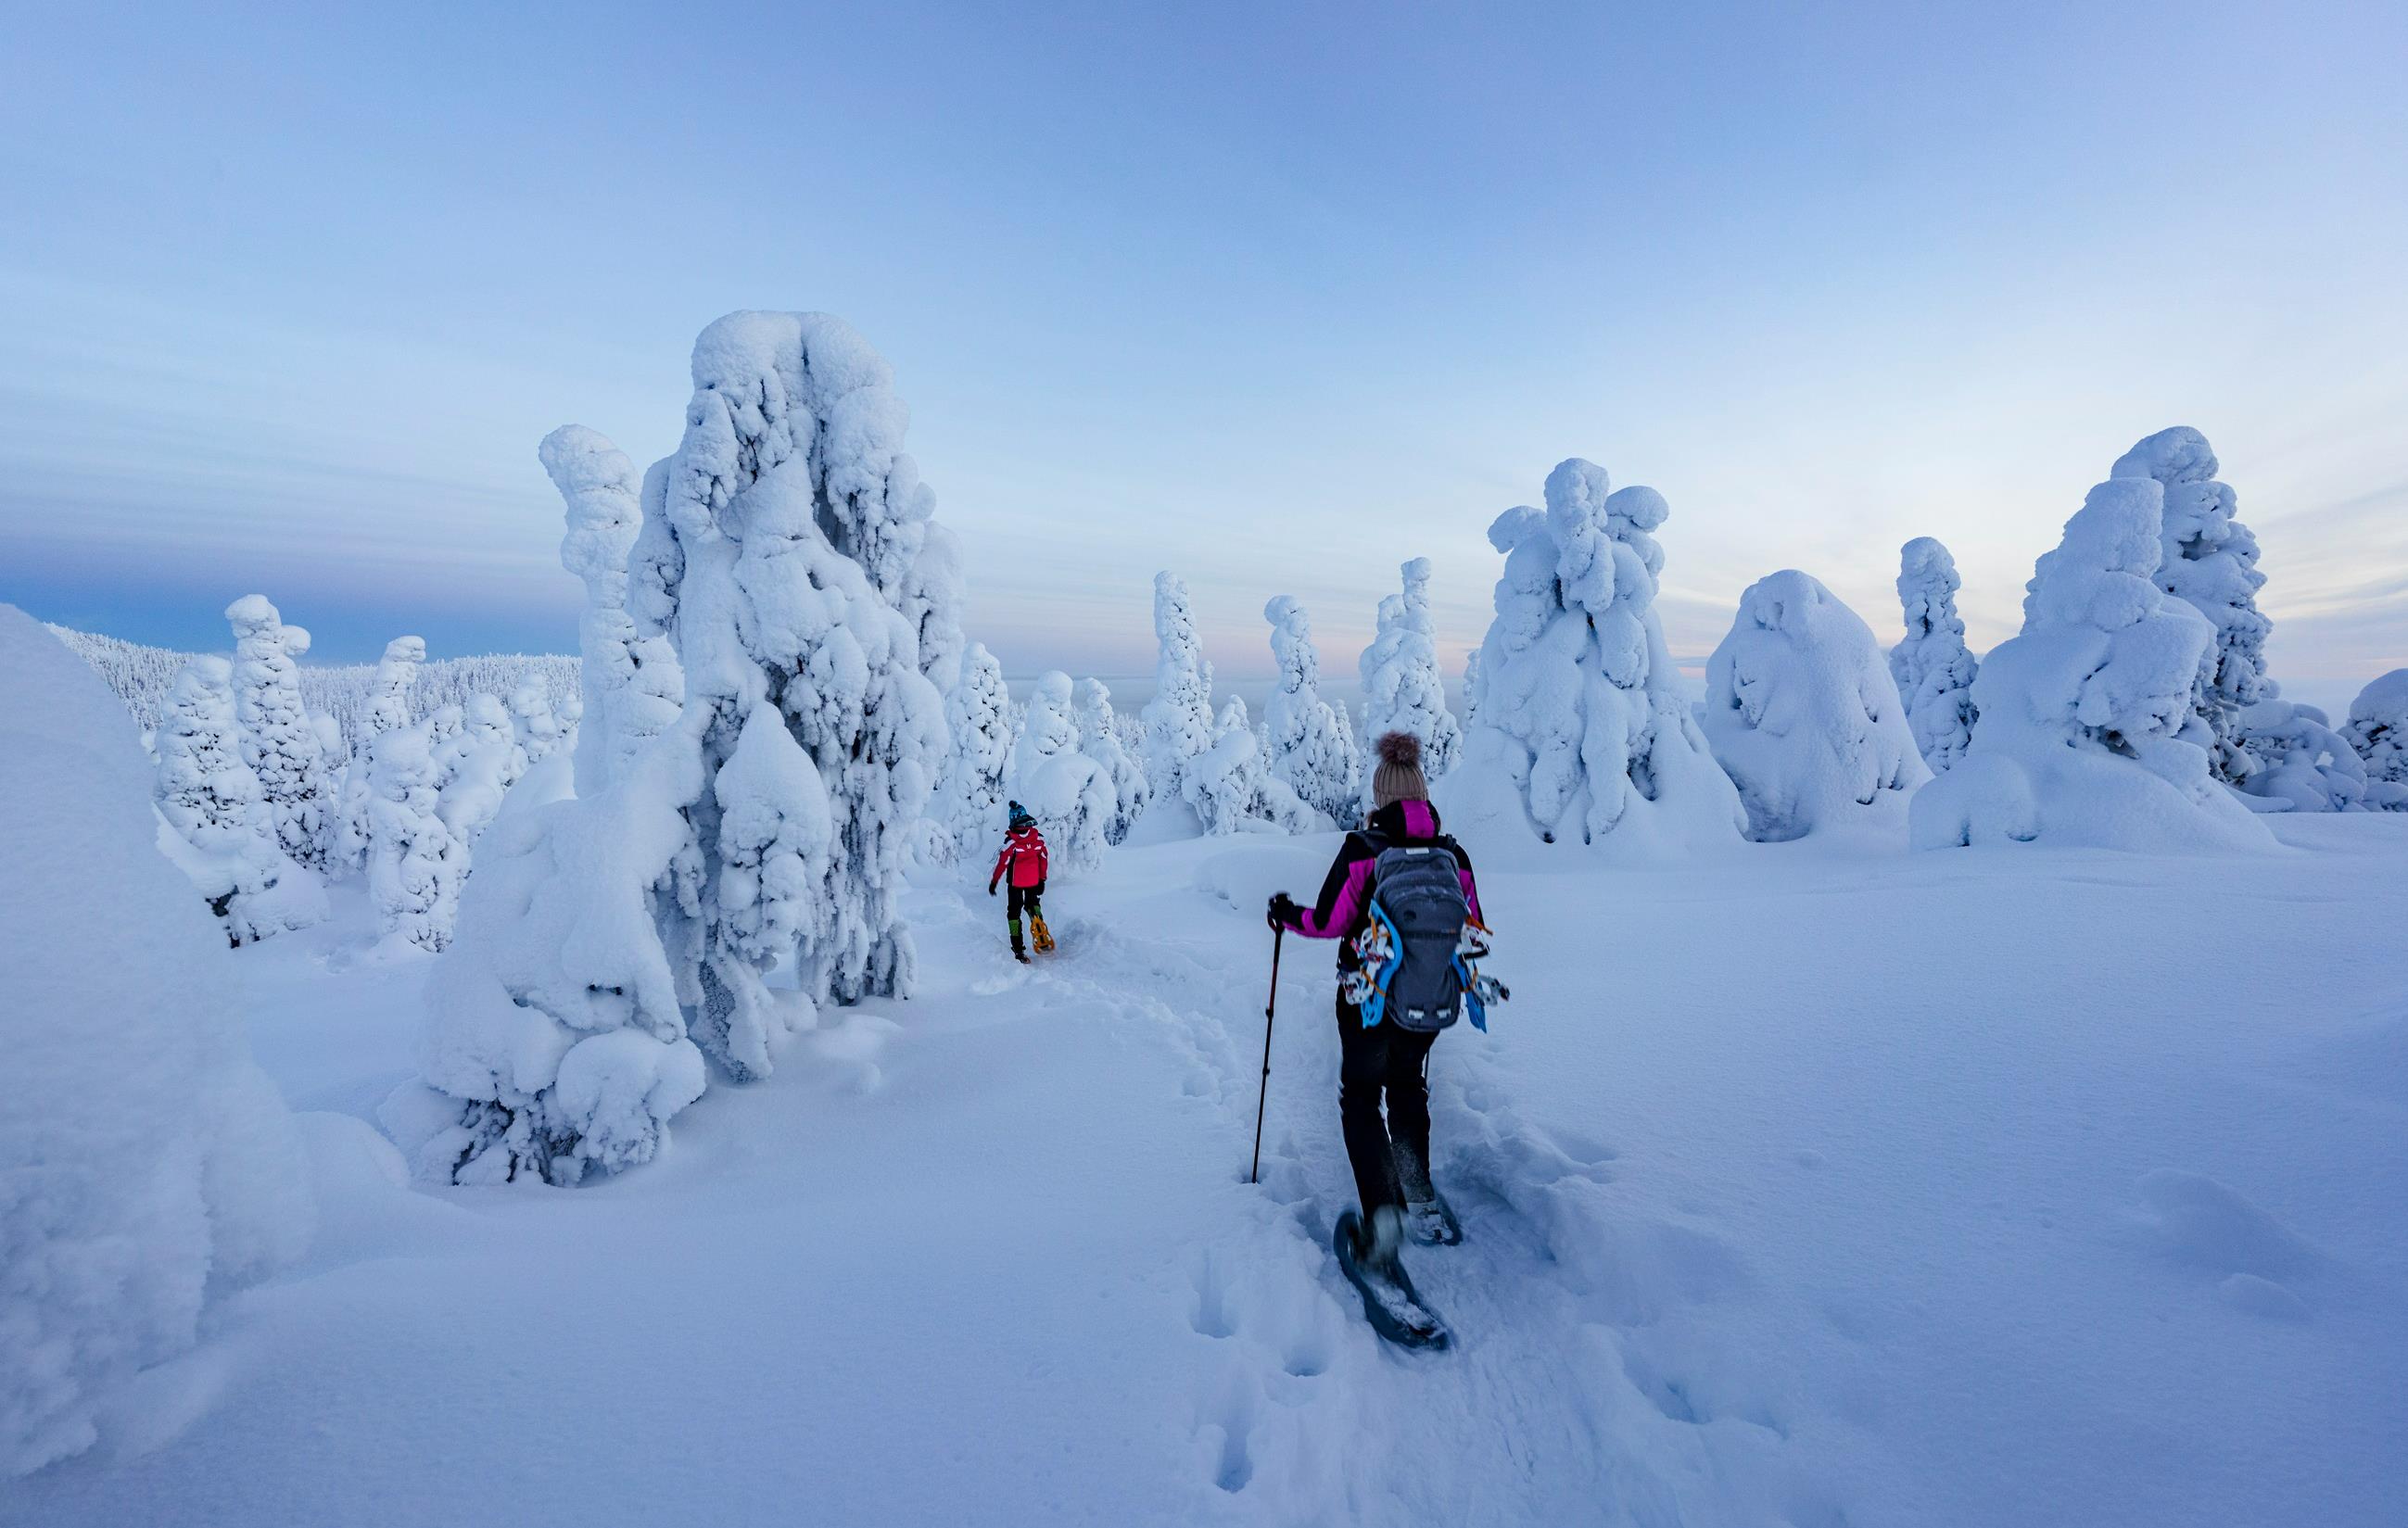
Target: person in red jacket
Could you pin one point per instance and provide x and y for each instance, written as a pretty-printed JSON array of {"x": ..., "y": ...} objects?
[{"x": 1023, "y": 857}]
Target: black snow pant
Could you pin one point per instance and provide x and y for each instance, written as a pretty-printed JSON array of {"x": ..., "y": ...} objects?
[
  {"x": 1019, "y": 899},
  {"x": 1382, "y": 1061}
]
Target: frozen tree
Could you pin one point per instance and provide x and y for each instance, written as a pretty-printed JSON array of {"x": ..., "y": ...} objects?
[
  {"x": 1584, "y": 731},
  {"x": 629, "y": 684},
  {"x": 148, "y": 1169},
  {"x": 415, "y": 861},
  {"x": 1803, "y": 716},
  {"x": 1231, "y": 791},
  {"x": 2086, "y": 735},
  {"x": 1932, "y": 668},
  {"x": 1305, "y": 744},
  {"x": 278, "y": 740},
  {"x": 2377, "y": 731},
  {"x": 476, "y": 769},
  {"x": 555, "y": 1043},
  {"x": 1178, "y": 718},
  {"x": 1471, "y": 690},
  {"x": 777, "y": 544},
  {"x": 216, "y": 828},
  {"x": 1400, "y": 679},
  {"x": 2210, "y": 560},
  {"x": 387, "y": 708},
  {"x": 538, "y": 728},
  {"x": 932, "y": 603},
  {"x": 1101, "y": 739},
  {"x": 977, "y": 717},
  {"x": 2301, "y": 762},
  {"x": 1068, "y": 792}
]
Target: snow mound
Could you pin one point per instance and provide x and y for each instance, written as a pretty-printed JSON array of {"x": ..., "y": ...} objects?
[
  {"x": 1803, "y": 715},
  {"x": 2087, "y": 733},
  {"x": 2300, "y": 762},
  {"x": 2201, "y": 1222},
  {"x": 147, "y": 1166}
]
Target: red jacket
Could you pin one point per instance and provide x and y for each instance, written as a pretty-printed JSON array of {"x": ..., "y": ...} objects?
[{"x": 1023, "y": 855}]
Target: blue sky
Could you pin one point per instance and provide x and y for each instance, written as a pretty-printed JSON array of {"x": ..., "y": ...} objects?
[{"x": 1274, "y": 296}]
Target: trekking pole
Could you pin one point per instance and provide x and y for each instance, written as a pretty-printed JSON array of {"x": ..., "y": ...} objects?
[{"x": 1254, "y": 1174}]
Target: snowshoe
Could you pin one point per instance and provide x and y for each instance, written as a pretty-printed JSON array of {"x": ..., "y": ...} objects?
[
  {"x": 1431, "y": 1221},
  {"x": 1044, "y": 936},
  {"x": 1390, "y": 1303},
  {"x": 1021, "y": 955}
]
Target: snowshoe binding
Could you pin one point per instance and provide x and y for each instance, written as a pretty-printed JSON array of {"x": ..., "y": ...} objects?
[
  {"x": 1043, "y": 935},
  {"x": 1390, "y": 1303},
  {"x": 1429, "y": 1219}
]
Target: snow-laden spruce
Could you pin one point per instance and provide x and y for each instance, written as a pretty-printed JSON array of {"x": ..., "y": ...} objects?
[
  {"x": 628, "y": 680},
  {"x": 776, "y": 543},
  {"x": 477, "y": 767},
  {"x": 1101, "y": 739},
  {"x": 2301, "y": 762},
  {"x": 1067, "y": 792},
  {"x": 978, "y": 724},
  {"x": 213, "y": 824},
  {"x": 2210, "y": 560},
  {"x": 1802, "y": 714},
  {"x": 416, "y": 862},
  {"x": 1230, "y": 790},
  {"x": 279, "y": 741},
  {"x": 932, "y": 603},
  {"x": 2377, "y": 731},
  {"x": 2086, "y": 735},
  {"x": 555, "y": 1043},
  {"x": 1308, "y": 745},
  {"x": 388, "y": 709},
  {"x": 1585, "y": 735},
  {"x": 538, "y": 728},
  {"x": 1179, "y": 723},
  {"x": 1932, "y": 668},
  {"x": 148, "y": 1169},
  {"x": 1401, "y": 686}
]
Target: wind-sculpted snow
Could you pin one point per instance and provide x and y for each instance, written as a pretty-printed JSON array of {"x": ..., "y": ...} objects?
[
  {"x": 2088, "y": 733},
  {"x": 1401, "y": 686},
  {"x": 1803, "y": 716},
  {"x": 2210, "y": 560},
  {"x": 147, "y": 1167},
  {"x": 1583, "y": 732},
  {"x": 1932, "y": 668}
]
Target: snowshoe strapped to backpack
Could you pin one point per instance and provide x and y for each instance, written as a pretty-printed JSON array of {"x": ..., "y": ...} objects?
[{"x": 1413, "y": 974}]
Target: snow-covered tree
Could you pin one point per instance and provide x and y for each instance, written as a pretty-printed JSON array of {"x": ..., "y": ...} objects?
[
  {"x": 1803, "y": 716},
  {"x": 2377, "y": 731},
  {"x": 629, "y": 684},
  {"x": 1101, "y": 739},
  {"x": 2210, "y": 560},
  {"x": 387, "y": 709},
  {"x": 1231, "y": 791},
  {"x": 2300, "y": 761},
  {"x": 1583, "y": 729},
  {"x": 1179, "y": 718},
  {"x": 977, "y": 720},
  {"x": 1401, "y": 686},
  {"x": 535, "y": 724},
  {"x": 932, "y": 603},
  {"x": 1471, "y": 690},
  {"x": 1068, "y": 792},
  {"x": 2087, "y": 733},
  {"x": 415, "y": 861},
  {"x": 217, "y": 830},
  {"x": 1305, "y": 743},
  {"x": 1932, "y": 668},
  {"x": 476, "y": 769},
  {"x": 148, "y": 1168},
  {"x": 279, "y": 742}
]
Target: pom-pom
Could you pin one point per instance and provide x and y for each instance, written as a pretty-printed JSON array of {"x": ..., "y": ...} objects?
[{"x": 1401, "y": 749}]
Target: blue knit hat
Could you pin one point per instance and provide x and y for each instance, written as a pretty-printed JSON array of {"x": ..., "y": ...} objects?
[{"x": 1020, "y": 817}]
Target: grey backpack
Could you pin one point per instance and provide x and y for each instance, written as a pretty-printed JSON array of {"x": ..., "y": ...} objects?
[{"x": 1410, "y": 973}]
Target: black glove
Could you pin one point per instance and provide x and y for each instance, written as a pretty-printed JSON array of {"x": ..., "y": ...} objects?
[
  {"x": 1285, "y": 913},
  {"x": 1040, "y": 890},
  {"x": 990, "y": 888}
]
